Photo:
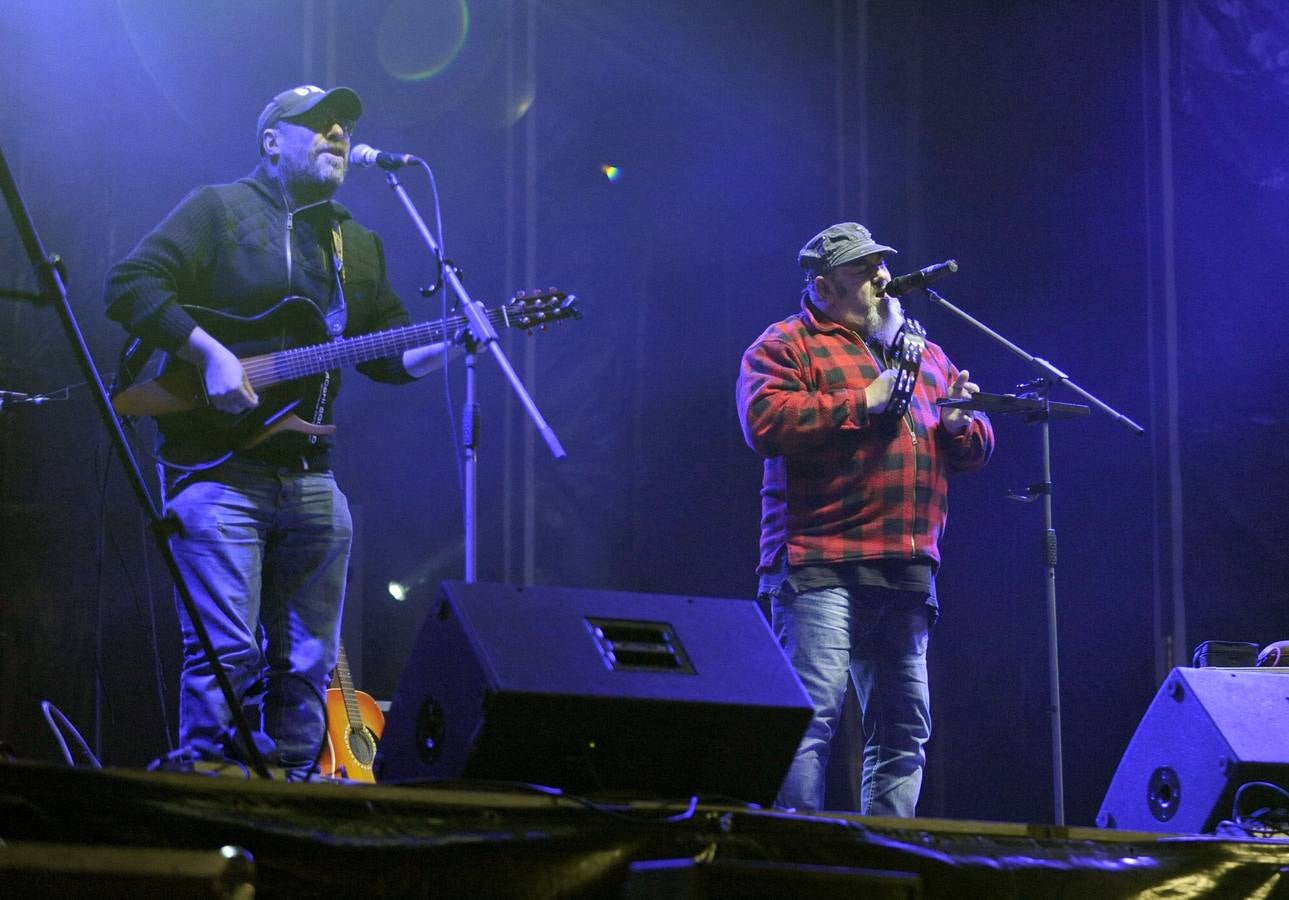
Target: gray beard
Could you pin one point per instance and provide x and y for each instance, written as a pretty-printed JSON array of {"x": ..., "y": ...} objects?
[
  {"x": 309, "y": 185},
  {"x": 884, "y": 321}
]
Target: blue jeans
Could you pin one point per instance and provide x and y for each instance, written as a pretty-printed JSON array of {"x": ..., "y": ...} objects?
[
  {"x": 877, "y": 637},
  {"x": 264, "y": 552}
]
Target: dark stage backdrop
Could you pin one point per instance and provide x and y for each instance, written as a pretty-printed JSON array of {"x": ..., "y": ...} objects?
[{"x": 1108, "y": 175}]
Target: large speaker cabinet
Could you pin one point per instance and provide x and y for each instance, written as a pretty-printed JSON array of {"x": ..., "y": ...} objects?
[
  {"x": 1206, "y": 733},
  {"x": 595, "y": 691}
]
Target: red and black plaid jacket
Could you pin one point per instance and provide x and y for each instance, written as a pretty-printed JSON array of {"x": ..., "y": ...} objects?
[{"x": 839, "y": 486}]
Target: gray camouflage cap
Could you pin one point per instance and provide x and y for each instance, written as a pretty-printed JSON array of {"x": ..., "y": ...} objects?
[{"x": 837, "y": 245}]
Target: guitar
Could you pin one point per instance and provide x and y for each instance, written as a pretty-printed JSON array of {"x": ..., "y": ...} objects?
[
  {"x": 354, "y": 727},
  {"x": 198, "y": 436},
  {"x": 908, "y": 346}
]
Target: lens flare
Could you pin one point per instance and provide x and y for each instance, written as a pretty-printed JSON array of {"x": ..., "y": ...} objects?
[
  {"x": 611, "y": 172},
  {"x": 419, "y": 40}
]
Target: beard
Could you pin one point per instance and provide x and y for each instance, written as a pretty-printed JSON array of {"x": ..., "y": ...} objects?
[
  {"x": 886, "y": 316},
  {"x": 880, "y": 319},
  {"x": 315, "y": 177}
]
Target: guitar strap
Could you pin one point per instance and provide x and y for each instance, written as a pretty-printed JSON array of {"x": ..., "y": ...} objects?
[
  {"x": 337, "y": 316},
  {"x": 337, "y": 312}
]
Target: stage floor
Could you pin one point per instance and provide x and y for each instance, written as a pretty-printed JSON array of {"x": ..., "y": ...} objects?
[{"x": 117, "y": 832}]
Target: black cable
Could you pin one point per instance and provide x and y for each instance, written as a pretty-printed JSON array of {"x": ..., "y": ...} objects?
[
  {"x": 145, "y": 595},
  {"x": 458, "y": 452},
  {"x": 613, "y": 813},
  {"x": 51, "y": 713},
  {"x": 1266, "y": 821}
]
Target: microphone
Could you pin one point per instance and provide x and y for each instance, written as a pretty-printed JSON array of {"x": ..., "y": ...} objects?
[
  {"x": 905, "y": 284},
  {"x": 367, "y": 155}
]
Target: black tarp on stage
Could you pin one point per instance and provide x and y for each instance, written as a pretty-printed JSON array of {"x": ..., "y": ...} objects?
[{"x": 123, "y": 827}]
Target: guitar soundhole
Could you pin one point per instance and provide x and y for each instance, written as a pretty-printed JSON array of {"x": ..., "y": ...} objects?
[{"x": 363, "y": 747}]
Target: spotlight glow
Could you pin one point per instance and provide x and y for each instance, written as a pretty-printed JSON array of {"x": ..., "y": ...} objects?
[
  {"x": 611, "y": 172},
  {"x": 397, "y": 591}
]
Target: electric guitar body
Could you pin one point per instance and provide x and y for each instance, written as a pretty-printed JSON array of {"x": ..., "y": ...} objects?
[{"x": 196, "y": 435}]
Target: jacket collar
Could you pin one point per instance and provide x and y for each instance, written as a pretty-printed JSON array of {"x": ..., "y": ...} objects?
[
  {"x": 263, "y": 182},
  {"x": 815, "y": 319}
]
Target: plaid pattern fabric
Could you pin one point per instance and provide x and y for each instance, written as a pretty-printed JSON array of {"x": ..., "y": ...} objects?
[{"x": 839, "y": 486}]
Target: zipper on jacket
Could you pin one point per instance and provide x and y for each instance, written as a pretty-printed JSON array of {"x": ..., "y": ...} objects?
[
  {"x": 290, "y": 225},
  {"x": 907, "y": 419},
  {"x": 913, "y": 436}
]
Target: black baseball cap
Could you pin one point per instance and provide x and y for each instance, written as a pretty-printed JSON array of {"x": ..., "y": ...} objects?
[{"x": 299, "y": 100}]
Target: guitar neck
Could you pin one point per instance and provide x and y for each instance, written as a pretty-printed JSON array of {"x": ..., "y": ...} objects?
[
  {"x": 352, "y": 712},
  {"x": 269, "y": 369}
]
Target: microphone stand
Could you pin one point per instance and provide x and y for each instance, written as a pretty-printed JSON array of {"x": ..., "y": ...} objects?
[
  {"x": 49, "y": 271},
  {"x": 1049, "y": 376},
  {"x": 482, "y": 334}
]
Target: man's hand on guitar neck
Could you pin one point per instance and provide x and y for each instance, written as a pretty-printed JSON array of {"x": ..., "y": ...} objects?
[{"x": 227, "y": 385}]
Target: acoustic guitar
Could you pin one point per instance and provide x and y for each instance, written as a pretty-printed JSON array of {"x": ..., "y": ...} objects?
[
  {"x": 285, "y": 370},
  {"x": 354, "y": 727}
]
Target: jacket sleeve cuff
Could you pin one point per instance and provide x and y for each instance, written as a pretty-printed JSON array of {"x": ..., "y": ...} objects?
[
  {"x": 858, "y": 404},
  {"x": 170, "y": 328}
]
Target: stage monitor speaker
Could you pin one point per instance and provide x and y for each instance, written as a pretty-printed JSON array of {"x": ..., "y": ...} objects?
[
  {"x": 1206, "y": 733},
  {"x": 596, "y": 691}
]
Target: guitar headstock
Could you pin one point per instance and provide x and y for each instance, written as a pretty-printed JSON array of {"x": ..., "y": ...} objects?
[{"x": 537, "y": 309}]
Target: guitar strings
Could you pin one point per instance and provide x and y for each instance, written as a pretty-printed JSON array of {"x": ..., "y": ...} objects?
[{"x": 284, "y": 365}]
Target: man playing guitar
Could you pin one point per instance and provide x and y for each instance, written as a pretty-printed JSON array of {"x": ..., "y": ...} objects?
[{"x": 263, "y": 537}]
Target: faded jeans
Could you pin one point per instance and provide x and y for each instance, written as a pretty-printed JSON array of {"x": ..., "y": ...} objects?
[
  {"x": 264, "y": 551},
  {"x": 877, "y": 637}
]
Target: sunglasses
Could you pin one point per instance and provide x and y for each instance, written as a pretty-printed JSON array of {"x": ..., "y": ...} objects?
[{"x": 321, "y": 122}]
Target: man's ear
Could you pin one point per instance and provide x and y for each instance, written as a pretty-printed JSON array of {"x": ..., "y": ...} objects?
[
  {"x": 823, "y": 287},
  {"x": 269, "y": 142}
]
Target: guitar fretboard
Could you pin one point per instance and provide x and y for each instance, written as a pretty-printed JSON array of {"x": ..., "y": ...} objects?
[
  {"x": 300, "y": 362},
  {"x": 352, "y": 712}
]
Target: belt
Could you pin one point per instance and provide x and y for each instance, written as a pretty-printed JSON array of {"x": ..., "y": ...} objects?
[{"x": 287, "y": 465}]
